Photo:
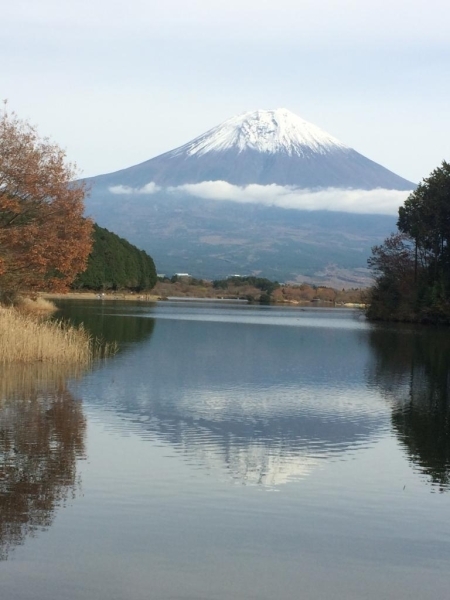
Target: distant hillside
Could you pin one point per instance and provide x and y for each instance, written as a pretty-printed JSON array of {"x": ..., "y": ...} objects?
[
  {"x": 213, "y": 240},
  {"x": 114, "y": 263}
]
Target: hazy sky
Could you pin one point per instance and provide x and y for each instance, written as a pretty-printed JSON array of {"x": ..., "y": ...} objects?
[{"x": 116, "y": 83}]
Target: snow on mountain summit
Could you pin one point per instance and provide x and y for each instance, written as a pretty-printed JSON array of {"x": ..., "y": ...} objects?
[
  {"x": 268, "y": 131},
  {"x": 263, "y": 147}
]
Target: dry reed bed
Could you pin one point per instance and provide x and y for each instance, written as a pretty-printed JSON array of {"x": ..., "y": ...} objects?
[
  {"x": 26, "y": 339},
  {"x": 38, "y": 306}
]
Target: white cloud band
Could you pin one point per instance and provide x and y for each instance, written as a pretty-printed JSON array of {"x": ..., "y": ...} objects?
[{"x": 378, "y": 201}]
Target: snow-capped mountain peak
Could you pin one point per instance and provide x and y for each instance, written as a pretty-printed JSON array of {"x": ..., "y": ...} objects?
[
  {"x": 263, "y": 147},
  {"x": 268, "y": 131}
]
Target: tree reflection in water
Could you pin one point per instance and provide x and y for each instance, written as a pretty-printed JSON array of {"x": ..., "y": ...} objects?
[
  {"x": 42, "y": 434},
  {"x": 412, "y": 367}
]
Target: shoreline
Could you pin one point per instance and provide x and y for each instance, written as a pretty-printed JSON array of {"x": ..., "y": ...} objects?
[{"x": 127, "y": 296}]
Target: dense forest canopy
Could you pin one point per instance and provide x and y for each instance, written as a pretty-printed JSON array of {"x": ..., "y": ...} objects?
[
  {"x": 412, "y": 267},
  {"x": 115, "y": 264}
]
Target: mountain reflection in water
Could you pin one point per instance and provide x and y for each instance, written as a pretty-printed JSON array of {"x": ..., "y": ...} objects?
[
  {"x": 271, "y": 403},
  {"x": 42, "y": 435},
  {"x": 268, "y": 404},
  {"x": 411, "y": 367},
  {"x": 347, "y": 421}
]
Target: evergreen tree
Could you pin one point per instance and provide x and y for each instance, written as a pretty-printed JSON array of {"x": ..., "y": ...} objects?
[
  {"x": 412, "y": 268},
  {"x": 425, "y": 217},
  {"x": 115, "y": 264}
]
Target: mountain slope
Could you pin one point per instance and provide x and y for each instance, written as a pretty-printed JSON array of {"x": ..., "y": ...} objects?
[
  {"x": 262, "y": 147},
  {"x": 212, "y": 236}
]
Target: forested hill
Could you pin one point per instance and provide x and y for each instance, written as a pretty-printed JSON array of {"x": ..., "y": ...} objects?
[{"x": 114, "y": 263}]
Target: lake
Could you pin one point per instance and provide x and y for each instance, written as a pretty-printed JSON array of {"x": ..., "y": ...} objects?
[{"x": 229, "y": 452}]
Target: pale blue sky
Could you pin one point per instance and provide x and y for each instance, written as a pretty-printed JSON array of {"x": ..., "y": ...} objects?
[{"x": 116, "y": 83}]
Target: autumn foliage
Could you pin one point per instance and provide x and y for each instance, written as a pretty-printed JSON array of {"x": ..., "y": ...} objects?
[{"x": 44, "y": 238}]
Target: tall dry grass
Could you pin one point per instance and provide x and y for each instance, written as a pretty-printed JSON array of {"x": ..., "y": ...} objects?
[
  {"x": 26, "y": 339},
  {"x": 37, "y": 306}
]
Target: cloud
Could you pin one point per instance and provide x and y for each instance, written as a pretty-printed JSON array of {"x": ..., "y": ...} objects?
[
  {"x": 150, "y": 188},
  {"x": 378, "y": 201}
]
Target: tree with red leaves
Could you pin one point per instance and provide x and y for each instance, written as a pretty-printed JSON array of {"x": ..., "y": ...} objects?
[{"x": 44, "y": 239}]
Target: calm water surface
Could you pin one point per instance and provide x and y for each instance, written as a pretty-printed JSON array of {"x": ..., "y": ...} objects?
[{"x": 229, "y": 452}]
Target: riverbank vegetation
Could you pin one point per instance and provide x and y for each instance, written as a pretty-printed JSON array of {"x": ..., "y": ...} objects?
[
  {"x": 115, "y": 264},
  {"x": 37, "y": 306},
  {"x": 45, "y": 242},
  {"x": 412, "y": 267},
  {"x": 255, "y": 289},
  {"x": 44, "y": 238},
  {"x": 27, "y": 339}
]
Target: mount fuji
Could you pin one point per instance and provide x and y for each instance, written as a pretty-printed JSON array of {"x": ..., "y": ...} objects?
[
  {"x": 265, "y": 192},
  {"x": 262, "y": 147}
]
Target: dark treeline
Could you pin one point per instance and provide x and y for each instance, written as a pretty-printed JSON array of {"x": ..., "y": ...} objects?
[
  {"x": 412, "y": 267},
  {"x": 115, "y": 264}
]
